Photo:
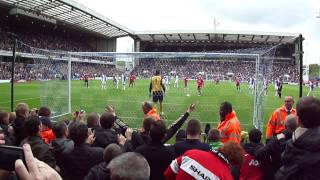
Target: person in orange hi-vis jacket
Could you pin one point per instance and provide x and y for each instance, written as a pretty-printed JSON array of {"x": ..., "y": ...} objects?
[
  {"x": 149, "y": 110},
  {"x": 229, "y": 125},
  {"x": 276, "y": 123}
]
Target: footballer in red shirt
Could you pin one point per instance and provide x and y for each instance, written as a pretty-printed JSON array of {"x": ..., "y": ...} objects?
[
  {"x": 86, "y": 81},
  {"x": 238, "y": 84},
  {"x": 200, "y": 84},
  {"x": 132, "y": 80},
  {"x": 185, "y": 81}
]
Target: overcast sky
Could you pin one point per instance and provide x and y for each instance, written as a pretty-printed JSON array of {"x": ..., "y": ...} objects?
[{"x": 294, "y": 16}]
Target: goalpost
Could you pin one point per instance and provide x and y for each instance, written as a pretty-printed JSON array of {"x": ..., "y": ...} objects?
[
  {"x": 262, "y": 71},
  {"x": 60, "y": 73}
]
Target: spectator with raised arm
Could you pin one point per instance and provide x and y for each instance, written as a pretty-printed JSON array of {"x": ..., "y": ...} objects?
[
  {"x": 78, "y": 162},
  {"x": 157, "y": 155}
]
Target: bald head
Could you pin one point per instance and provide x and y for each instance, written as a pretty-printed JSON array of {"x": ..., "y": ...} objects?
[
  {"x": 291, "y": 122},
  {"x": 288, "y": 102},
  {"x": 146, "y": 107},
  {"x": 22, "y": 110},
  {"x": 131, "y": 166}
]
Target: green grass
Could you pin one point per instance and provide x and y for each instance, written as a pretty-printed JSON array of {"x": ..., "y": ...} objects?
[{"x": 128, "y": 102}]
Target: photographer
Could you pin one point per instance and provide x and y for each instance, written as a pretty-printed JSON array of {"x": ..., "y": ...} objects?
[
  {"x": 105, "y": 134},
  {"x": 136, "y": 139}
]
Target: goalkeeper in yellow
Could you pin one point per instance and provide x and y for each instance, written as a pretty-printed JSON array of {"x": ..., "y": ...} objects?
[{"x": 158, "y": 89}]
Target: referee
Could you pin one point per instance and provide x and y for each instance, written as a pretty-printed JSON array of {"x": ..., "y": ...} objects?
[{"x": 158, "y": 89}]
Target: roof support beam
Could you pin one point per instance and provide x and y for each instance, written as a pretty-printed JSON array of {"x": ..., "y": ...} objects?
[
  {"x": 69, "y": 13},
  {"x": 100, "y": 25},
  {"x": 18, "y": 2},
  {"x": 152, "y": 37},
  {"x": 73, "y": 17},
  {"x": 83, "y": 11},
  {"x": 267, "y": 38},
  {"x": 194, "y": 36},
  {"x": 238, "y": 37},
  {"x": 86, "y": 20},
  {"x": 94, "y": 24},
  {"x": 209, "y": 38},
  {"x": 180, "y": 37},
  {"x": 166, "y": 37},
  {"x": 61, "y": 13},
  {"x": 252, "y": 38},
  {"x": 281, "y": 38},
  {"x": 52, "y": 7},
  {"x": 41, "y": 5}
]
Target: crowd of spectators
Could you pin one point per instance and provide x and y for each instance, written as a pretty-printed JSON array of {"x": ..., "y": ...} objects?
[
  {"x": 96, "y": 147},
  {"x": 43, "y": 40},
  {"x": 145, "y": 69},
  {"x": 45, "y": 70},
  {"x": 191, "y": 68},
  {"x": 183, "y": 68}
]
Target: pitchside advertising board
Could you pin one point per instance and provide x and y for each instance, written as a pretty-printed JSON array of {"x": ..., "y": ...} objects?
[{"x": 4, "y": 81}]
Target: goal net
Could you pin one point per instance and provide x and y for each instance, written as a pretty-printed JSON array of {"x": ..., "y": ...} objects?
[
  {"x": 180, "y": 71},
  {"x": 88, "y": 81},
  {"x": 48, "y": 74}
]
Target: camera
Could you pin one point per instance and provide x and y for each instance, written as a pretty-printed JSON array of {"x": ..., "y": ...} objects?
[
  {"x": 9, "y": 155},
  {"x": 120, "y": 126}
]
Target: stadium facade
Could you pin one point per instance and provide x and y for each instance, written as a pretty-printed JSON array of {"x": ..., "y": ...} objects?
[
  {"x": 71, "y": 18},
  {"x": 46, "y": 24},
  {"x": 69, "y": 29}
]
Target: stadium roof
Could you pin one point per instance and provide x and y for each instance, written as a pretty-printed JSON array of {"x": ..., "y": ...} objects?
[
  {"x": 68, "y": 12},
  {"x": 217, "y": 36}
]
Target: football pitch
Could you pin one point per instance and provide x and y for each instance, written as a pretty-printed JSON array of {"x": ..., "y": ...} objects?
[{"x": 128, "y": 102}]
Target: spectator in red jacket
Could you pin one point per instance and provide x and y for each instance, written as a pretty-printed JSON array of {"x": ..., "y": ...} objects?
[
  {"x": 198, "y": 164},
  {"x": 46, "y": 130},
  {"x": 251, "y": 168}
]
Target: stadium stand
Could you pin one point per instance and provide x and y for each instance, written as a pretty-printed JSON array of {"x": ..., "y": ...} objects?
[
  {"x": 190, "y": 68},
  {"x": 63, "y": 25},
  {"x": 24, "y": 71}
]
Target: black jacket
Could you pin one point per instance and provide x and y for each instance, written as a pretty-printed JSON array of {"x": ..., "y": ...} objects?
[
  {"x": 270, "y": 154},
  {"x": 80, "y": 160},
  {"x": 4, "y": 128},
  {"x": 104, "y": 137},
  {"x": 40, "y": 150},
  {"x": 61, "y": 146},
  {"x": 301, "y": 158},
  {"x": 251, "y": 148},
  {"x": 159, "y": 158},
  {"x": 175, "y": 126},
  {"x": 19, "y": 130},
  {"x": 139, "y": 139},
  {"x": 182, "y": 147},
  {"x": 98, "y": 172}
]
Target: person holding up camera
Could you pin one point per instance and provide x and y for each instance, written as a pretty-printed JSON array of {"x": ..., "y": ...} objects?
[
  {"x": 105, "y": 134},
  {"x": 138, "y": 138}
]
